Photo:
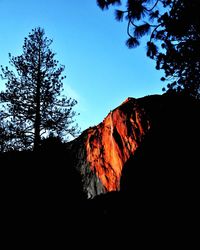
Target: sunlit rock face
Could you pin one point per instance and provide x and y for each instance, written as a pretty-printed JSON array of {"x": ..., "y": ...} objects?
[
  {"x": 101, "y": 151},
  {"x": 110, "y": 144}
]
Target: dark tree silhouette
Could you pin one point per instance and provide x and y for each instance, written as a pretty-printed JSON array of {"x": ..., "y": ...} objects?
[
  {"x": 32, "y": 104},
  {"x": 4, "y": 135},
  {"x": 174, "y": 37}
]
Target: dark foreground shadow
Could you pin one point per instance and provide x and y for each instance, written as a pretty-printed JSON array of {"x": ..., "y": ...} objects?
[
  {"x": 41, "y": 194},
  {"x": 160, "y": 183}
]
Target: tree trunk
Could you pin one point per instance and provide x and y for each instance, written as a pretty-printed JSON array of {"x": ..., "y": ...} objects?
[
  {"x": 37, "y": 123},
  {"x": 37, "y": 115}
]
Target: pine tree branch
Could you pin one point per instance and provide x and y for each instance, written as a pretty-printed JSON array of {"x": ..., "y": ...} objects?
[
  {"x": 149, "y": 10},
  {"x": 152, "y": 33}
]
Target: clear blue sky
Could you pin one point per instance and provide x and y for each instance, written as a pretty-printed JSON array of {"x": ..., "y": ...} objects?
[{"x": 101, "y": 71}]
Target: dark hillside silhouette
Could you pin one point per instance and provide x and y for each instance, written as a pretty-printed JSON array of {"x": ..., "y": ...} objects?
[
  {"x": 167, "y": 160},
  {"x": 40, "y": 191},
  {"x": 160, "y": 183},
  {"x": 158, "y": 189}
]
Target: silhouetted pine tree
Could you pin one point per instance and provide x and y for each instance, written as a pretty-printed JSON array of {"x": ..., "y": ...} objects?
[
  {"x": 174, "y": 37},
  {"x": 4, "y": 135},
  {"x": 32, "y": 104}
]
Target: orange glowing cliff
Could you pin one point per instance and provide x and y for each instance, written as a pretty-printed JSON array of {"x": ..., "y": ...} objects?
[{"x": 102, "y": 151}]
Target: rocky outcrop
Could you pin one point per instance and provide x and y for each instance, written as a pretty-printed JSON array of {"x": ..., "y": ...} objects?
[
  {"x": 101, "y": 151},
  {"x": 110, "y": 144},
  {"x": 160, "y": 181}
]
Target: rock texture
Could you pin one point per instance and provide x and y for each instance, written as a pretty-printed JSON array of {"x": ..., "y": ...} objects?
[
  {"x": 101, "y": 151},
  {"x": 110, "y": 144}
]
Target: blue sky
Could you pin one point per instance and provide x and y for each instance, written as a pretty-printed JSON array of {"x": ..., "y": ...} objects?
[{"x": 101, "y": 71}]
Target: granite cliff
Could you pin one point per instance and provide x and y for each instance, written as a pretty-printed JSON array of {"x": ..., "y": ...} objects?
[{"x": 100, "y": 152}]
